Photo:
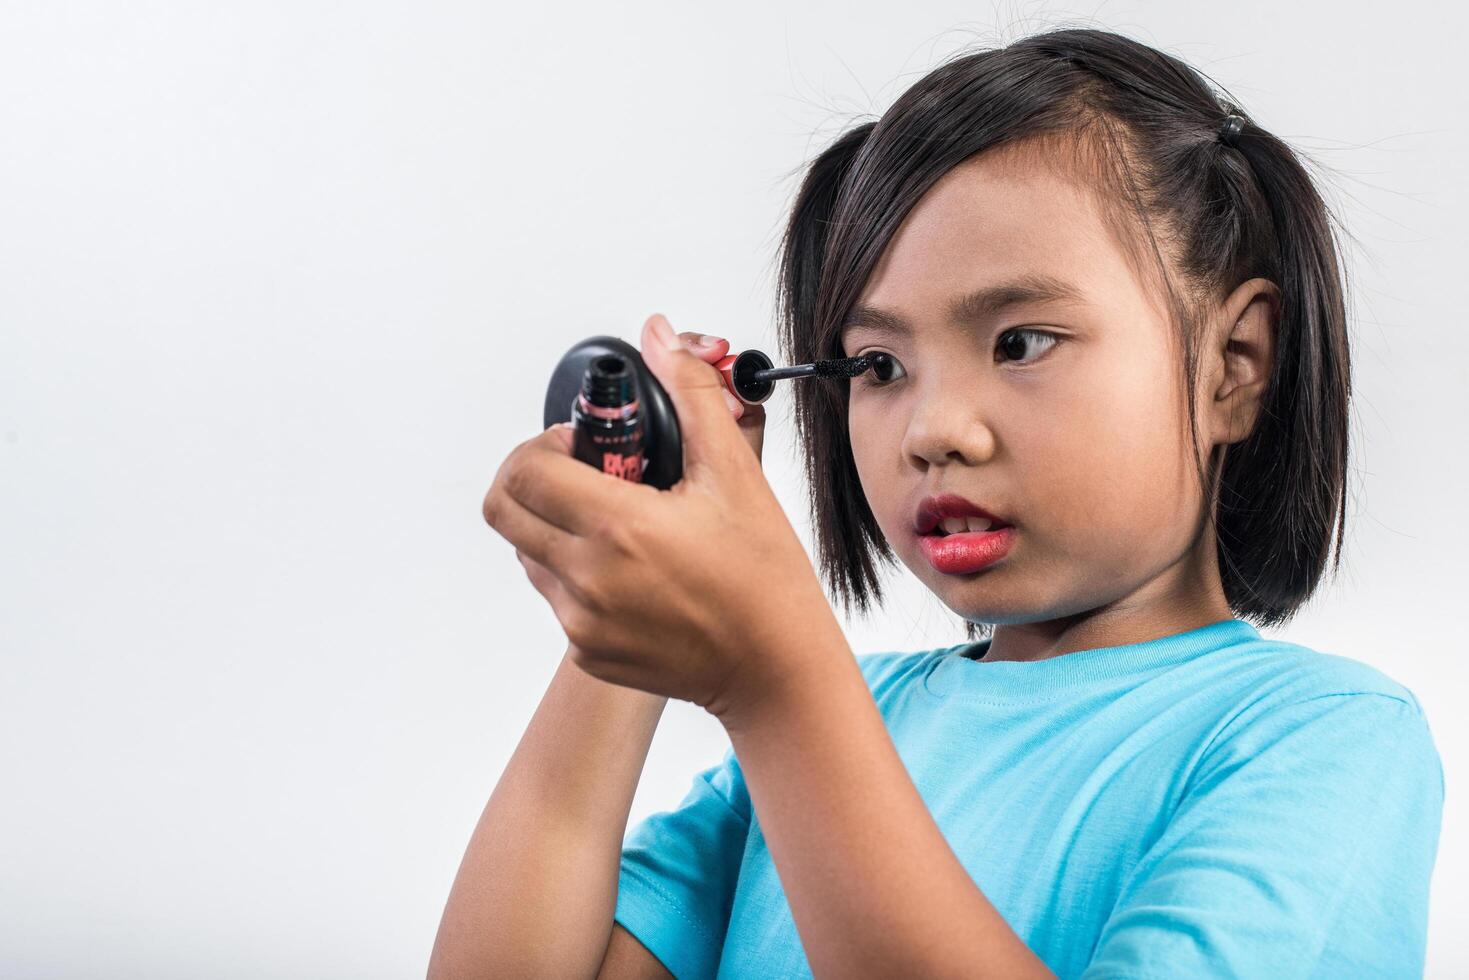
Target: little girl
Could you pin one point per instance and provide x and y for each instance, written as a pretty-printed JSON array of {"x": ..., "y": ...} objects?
[{"x": 1109, "y": 430}]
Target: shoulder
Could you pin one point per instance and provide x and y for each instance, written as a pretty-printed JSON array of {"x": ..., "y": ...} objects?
[
  {"x": 1293, "y": 671},
  {"x": 1290, "y": 697}
]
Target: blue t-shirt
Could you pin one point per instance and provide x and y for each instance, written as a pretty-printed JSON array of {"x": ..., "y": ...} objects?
[{"x": 1212, "y": 803}]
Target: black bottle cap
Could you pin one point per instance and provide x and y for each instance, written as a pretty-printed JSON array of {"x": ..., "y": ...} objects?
[{"x": 741, "y": 375}]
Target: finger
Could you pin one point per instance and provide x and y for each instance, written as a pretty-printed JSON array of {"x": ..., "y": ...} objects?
[
  {"x": 552, "y": 546},
  {"x": 715, "y": 350},
  {"x": 566, "y": 433},
  {"x": 725, "y": 367},
  {"x": 547, "y": 480},
  {"x": 705, "y": 347},
  {"x": 697, "y": 392},
  {"x": 570, "y": 609},
  {"x": 752, "y": 427},
  {"x": 551, "y": 588}
]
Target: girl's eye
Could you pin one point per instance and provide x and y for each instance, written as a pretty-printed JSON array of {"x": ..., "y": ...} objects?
[
  {"x": 881, "y": 371},
  {"x": 1012, "y": 342}
]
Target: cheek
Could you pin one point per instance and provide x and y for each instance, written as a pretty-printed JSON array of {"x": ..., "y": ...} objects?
[
  {"x": 1106, "y": 461},
  {"x": 864, "y": 442},
  {"x": 874, "y": 436}
]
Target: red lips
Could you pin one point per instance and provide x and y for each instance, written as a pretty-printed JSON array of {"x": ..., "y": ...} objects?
[{"x": 933, "y": 509}]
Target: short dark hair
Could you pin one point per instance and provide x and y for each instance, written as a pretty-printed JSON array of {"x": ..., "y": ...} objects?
[{"x": 1146, "y": 126}]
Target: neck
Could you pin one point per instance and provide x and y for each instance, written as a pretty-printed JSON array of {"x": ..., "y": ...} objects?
[{"x": 1184, "y": 596}]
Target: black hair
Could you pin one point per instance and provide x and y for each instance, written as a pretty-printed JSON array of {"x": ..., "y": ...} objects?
[{"x": 1146, "y": 126}]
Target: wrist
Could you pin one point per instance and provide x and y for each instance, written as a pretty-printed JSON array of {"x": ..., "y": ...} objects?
[{"x": 780, "y": 678}]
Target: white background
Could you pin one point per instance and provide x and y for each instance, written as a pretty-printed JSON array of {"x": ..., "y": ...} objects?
[{"x": 281, "y": 284}]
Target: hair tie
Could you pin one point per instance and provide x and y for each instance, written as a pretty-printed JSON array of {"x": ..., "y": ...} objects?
[{"x": 1230, "y": 129}]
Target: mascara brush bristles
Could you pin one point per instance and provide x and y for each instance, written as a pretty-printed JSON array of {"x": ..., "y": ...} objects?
[{"x": 842, "y": 367}]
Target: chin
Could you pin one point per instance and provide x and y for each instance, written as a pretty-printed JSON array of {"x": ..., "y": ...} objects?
[{"x": 988, "y": 597}]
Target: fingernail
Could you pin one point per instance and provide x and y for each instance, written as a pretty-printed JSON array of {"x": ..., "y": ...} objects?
[
  {"x": 730, "y": 400},
  {"x": 707, "y": 341},
  {"x": 664, "y": 332}
]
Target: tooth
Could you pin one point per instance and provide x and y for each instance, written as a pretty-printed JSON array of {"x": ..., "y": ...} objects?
[
  {"x": 978, "y": 523},
  {"x": 953, "y": 525}
]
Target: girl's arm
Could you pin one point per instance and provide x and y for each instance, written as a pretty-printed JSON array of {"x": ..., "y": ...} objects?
[
  {"x": 873, "y": 885},
  {"x": 537, "y": 888}
]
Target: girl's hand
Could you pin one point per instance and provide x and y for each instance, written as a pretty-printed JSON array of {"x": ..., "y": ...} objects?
[
  {"x": 702, "y": 592},
  {"x": 750, "y": 417}
]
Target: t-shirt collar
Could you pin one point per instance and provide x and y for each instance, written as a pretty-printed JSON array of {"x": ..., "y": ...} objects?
[{"x": 954, "y": 675}]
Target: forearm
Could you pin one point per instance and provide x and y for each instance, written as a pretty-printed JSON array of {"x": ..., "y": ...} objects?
[
  {"x": 537, "y": 888},
  {"x": 874, "y": 887}
]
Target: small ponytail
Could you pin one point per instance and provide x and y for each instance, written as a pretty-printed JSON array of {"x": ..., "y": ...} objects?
[{"x": 1283, "y": 487}]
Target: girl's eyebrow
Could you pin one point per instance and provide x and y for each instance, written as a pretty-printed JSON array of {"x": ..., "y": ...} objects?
[{"x": 972, "y": 307}]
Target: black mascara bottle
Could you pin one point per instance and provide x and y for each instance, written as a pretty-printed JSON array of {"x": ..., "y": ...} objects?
[{"x": 608, "y": 419}]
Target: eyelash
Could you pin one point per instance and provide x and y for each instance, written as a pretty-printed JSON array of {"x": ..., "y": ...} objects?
[{"x": 866, "y": 377}]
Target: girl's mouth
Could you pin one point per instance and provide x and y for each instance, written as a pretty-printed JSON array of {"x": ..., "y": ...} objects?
[{"x": 965, "y": 552}]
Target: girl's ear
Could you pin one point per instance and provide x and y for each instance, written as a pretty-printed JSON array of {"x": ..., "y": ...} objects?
[{"x": 1241, "y": 354}]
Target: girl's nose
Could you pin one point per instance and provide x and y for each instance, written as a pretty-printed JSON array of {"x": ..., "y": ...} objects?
[{"x": 946, "y": 424}]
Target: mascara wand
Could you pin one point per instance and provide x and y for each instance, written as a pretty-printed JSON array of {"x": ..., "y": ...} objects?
[{"x": 751, "y": 375}]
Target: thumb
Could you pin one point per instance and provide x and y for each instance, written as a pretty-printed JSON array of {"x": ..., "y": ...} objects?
[{"x": 710, "y": 434}]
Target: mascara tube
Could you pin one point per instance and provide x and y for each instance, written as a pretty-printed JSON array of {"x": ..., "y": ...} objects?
[{"x": 607, "y": 419}]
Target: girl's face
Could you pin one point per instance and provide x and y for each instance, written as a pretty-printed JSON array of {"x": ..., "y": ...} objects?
[{"x": 1064, "y": 417}]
